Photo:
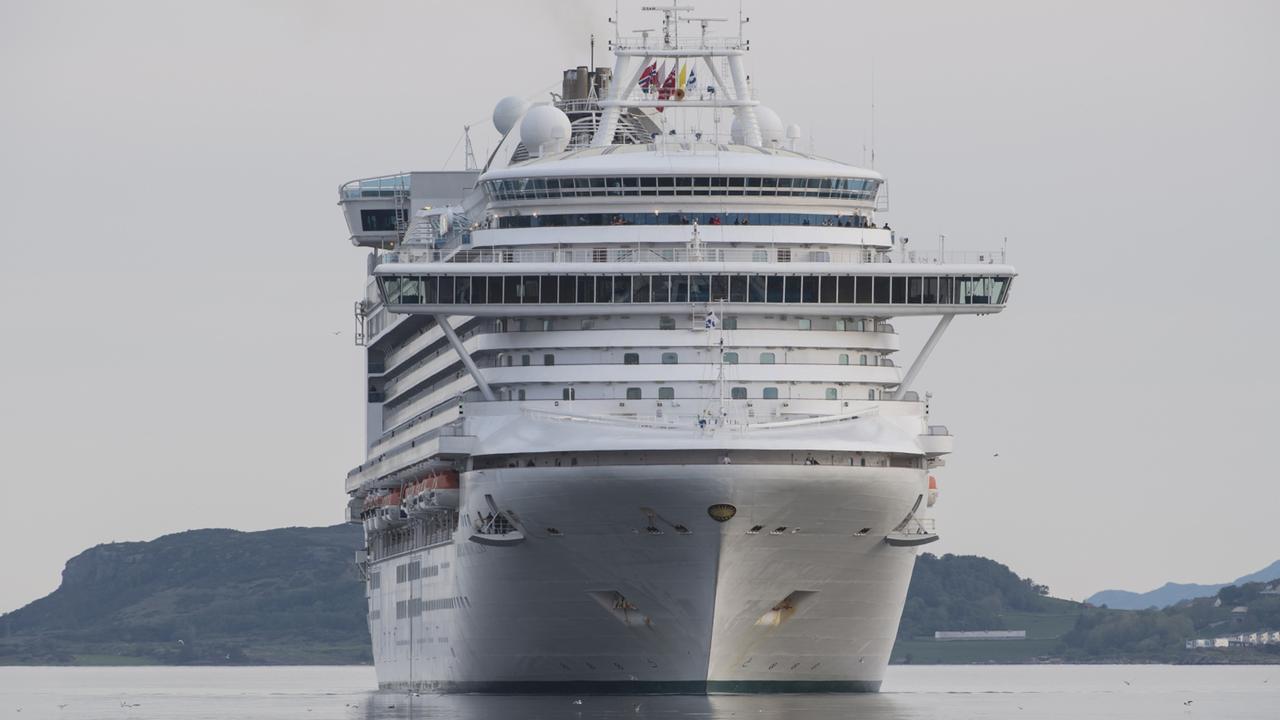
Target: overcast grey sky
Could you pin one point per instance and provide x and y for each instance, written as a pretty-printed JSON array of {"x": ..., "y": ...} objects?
[{"x": 175, "y": 266}]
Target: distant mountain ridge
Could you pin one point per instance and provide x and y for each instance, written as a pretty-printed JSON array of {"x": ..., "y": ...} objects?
[{"x": 1174, "y": 593}]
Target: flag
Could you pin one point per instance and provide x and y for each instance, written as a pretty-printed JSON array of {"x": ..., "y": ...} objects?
[
  {"x": 668, "y": 86},
  {"x": 684, "y": 74},
  {"x": 693, "y": 79},
  {"x": 649, "y": 77}
]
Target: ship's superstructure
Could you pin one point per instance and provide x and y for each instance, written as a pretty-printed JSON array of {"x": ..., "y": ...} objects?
[{"x": 634, "y": 419}]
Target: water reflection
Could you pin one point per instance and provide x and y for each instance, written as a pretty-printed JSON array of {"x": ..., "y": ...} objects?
[{"x": 402, "y": 706}]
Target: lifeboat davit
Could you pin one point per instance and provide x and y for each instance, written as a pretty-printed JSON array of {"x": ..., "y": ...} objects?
[
  {"x": 390, "y": 510},
  {"x": 933, "y": 490}
]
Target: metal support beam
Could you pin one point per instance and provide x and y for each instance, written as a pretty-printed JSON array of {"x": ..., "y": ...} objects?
[
  {"x": 464, "y": 356},
  {"x": 918, "y": 365}
]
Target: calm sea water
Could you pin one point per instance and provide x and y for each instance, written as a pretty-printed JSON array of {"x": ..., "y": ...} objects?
[{"x": 937, "y": 693}]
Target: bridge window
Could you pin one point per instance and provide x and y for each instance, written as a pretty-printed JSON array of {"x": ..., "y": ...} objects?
[
  {"x": 633, "y": 393},
  {"x": 666, "y": 393},
  {"x": 696, "y": 288},
  {"x": 770, "y": 393}
]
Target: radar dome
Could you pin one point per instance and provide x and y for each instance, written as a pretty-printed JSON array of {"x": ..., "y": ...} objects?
[
  {"x": 793, "y": 135},
  {"x": 544, "y": 130},
  {"x": 771, "y": 131},
  {"x": 507, "y": 113}
]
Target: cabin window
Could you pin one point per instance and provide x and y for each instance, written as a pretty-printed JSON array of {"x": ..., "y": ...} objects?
[
  {"x": 731, "y": 358},
  {"x": 844, "y": 358},
  {"x": 549, "y": 359},
  {"x": 524, "y": 361},
  {"x": 767, "y": 358},
  {"x": 806, "y": 324},
  {"x": 666, "y": 393},
  {"x": 729, "y": 323},
  {"x": 631, "y": 358},
  {"x": 670, "y": 358},
  {"x": 831, "y": 394},
  {"x": 666, "y": 323},
  {"x": 770, "y": 393},
  {"x": 520, "y": 395},
  {"x": 738, "y": 393},
  {"x": 568, "y": 394},
  {"x": 633, "y": 393}
]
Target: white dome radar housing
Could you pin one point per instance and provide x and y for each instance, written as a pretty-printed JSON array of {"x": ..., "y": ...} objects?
[
  {"x": 544, "y": 130},
  {"x": 771, "y": 131},
  {"x": 508, "y": 112}
]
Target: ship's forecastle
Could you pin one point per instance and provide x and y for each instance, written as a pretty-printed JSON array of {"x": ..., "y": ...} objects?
[{"x": 634, "y": 418}]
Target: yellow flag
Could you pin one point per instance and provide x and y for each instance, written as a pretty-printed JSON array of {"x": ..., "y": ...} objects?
[{"x": 684, "y": 74}]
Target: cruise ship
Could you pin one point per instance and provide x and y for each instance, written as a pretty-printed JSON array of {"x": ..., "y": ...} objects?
[{"x": 635, "y": 417}]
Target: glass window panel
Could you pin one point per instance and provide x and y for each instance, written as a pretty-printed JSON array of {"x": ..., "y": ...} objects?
[
  {"x": 631, "y": 358},
  {"x": 660, "y": 286},
  {"x": 731, "y": 358},
  {"x": 429, "y": 285},
  {"x": 699, "y": 288},
  {"x": 604, "y": 289},
  {"x": 719, "y": 287},
  {"x": 882, "y": 289},
  {"x": 844, "y": 293},
  {"x": 586, "y": 289},
  {"x": 770, "y": 393},
  {"x": 680, "y": 288},
  {"x": 666, "y": 393},
  {"x": 670, "y": 358},
  {"x": 550, "y": 288},
  {"x": 531, "y": 294},
  {"x": 931, "y": 290},
  {"x": 946, "y": 291},
  {"x": 757, "y": 289},
  {"x": 622, "y": 288},
  {"x": 809, "y": 289},
  {"x": 738, "y": 393},
  {"x": 446, "y": 290},
  {"x": 462, "y": 290},
  {"x": 827, "y": 292},
  {"x": 777, "y": 286},
  {"x": 391, "y": 289},
  {"x": 863, "y": 289},
  {"x": 831, "y": 394},
  {"x": 767, "y": 358},
  {"x": 568, "y": 289},
  {"x": 899, "y": 290},
  {"x": 794, "y": 283},
  {"x": 640, "y": 289},
  {"x": 738, "y": 288},
  {"x": 915, "y": 290},
  {"x": 633, "y": 393}
]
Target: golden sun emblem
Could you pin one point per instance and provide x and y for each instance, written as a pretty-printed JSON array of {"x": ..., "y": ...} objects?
[{"x": 722, "y": 512}]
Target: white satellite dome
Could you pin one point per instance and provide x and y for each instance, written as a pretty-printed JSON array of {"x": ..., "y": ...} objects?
[
  {"x": 793, "y": 135},
  {"x": 544, "y": 130},
  {"x": 508, "y": 112},
  {"x": 771, "y": 131}
]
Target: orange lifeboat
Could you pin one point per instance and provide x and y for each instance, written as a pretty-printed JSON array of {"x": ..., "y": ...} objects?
[
  {"x": 432, "y": 493},
  {"x": 933, "y": 490}
]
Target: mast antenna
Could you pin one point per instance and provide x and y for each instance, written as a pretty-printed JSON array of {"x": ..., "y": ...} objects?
[{"x": 470, "y": 156}]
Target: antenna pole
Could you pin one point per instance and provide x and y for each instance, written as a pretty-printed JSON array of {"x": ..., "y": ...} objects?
[{"x": 592, "y": 67}]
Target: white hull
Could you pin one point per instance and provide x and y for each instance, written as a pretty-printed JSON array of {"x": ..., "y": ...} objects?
[{"x": 538, "y": 615}]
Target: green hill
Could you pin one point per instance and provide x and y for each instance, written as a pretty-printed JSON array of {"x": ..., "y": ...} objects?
[{"x": 206, "y": 596}]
